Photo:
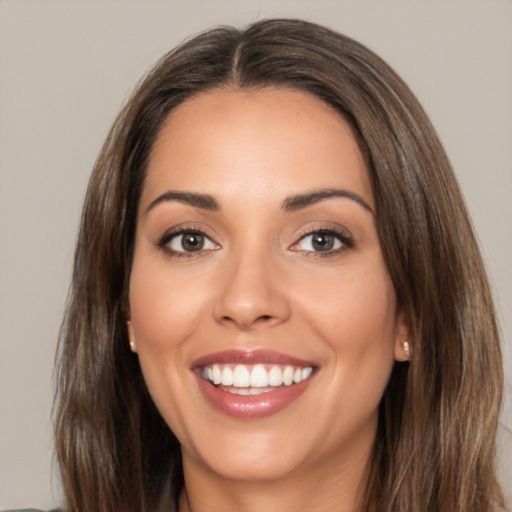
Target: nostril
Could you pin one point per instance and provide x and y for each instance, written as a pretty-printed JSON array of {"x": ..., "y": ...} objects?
[
  {"x": 259, "y": 319},
  {"x": 245, "y": 304},
  {"x": 263, "y": 319}
]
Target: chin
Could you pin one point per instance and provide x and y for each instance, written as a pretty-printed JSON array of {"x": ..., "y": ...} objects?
[{"x": 254, "y": 457}]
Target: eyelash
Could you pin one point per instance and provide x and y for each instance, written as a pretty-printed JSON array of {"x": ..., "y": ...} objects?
[
  {"x": 168, "y": 237},
  {"x": 346, "y": 241}
]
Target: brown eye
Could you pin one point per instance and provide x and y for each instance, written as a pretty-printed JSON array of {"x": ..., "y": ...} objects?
[
  {"x": 192, "y": 242},
  {"x": 189, "y": 241}
]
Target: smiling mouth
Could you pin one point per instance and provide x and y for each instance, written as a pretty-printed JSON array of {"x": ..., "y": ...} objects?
[
  {"x": 252, "y": 384},
  {"x": 247, "y": 379}
]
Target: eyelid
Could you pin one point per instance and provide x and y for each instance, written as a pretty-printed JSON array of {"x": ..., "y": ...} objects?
[
  {"x": 164, "y": 241},
  {"x": 174, "y": 238},
  {"x": 343, "y": 235}
]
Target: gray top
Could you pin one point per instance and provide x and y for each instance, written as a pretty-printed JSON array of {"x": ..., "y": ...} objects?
[{"x": 27, "y": 510}]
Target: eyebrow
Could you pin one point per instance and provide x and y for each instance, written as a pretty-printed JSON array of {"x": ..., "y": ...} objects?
[
  {"x": 203, "y": 201},
  {"x": 300, "y": 201},
  {"x": 291, "y": 204}
]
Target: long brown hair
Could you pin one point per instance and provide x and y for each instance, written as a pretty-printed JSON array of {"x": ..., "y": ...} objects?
[{"x": 434, "y": 450}]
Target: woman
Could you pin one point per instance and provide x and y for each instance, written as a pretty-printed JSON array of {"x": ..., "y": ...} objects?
[{"x": 277, "y": 297}]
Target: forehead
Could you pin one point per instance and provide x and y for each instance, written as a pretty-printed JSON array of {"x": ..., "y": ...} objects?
[{"x": 224, "y": 141}]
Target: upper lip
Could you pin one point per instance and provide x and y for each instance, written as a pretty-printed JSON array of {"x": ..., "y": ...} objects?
[{"x": 250, "y": 357}]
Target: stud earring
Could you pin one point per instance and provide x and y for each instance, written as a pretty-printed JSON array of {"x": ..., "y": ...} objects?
[
  {"x": 406, "y": 348},
  {"x": 133, "y": 347}
]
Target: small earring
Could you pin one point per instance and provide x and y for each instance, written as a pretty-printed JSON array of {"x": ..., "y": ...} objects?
[
  {"x": 406, "y": 348},
  {"x": 133, "y": 347}
]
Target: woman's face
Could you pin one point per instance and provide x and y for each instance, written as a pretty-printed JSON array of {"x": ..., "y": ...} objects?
[{"x": 263, "y": 314}]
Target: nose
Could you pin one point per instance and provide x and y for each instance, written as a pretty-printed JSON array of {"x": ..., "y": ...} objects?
[{"x": 251, "y": 293}]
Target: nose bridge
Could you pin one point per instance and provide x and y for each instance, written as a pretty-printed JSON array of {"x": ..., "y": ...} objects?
[{"x": 251, "y": 293}]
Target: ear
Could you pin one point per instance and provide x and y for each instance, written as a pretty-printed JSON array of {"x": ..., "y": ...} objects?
[
  {"x": 129, "y": 330},
  {"x": 403, "y": 345}
]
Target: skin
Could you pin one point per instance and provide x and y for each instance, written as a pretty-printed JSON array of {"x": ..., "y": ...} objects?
[{"x": 260, "y": 284}]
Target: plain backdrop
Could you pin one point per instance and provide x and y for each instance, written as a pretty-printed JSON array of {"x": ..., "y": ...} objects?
[{"x": 66, "y": 67}]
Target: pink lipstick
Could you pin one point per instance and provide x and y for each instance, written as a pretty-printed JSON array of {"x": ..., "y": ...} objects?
[{"x": 252, "y": 384}]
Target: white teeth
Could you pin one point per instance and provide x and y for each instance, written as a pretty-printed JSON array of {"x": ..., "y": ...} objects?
[
  {"x": 241, "y": 376},
  {"x": 259, "y": 377},
  {"x": 216, "y": 374},
  {"x": 247, "y": 391},
  {"x": 306, "y": 372},
  {"x": 227, "y": 376},
  {"x": 288, "y": 376},
  {"x": 254, "y": 379},
  {"x": 275, "y": 376}
]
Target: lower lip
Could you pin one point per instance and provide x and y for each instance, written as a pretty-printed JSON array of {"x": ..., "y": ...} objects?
[{"x": 252, "y": 406}]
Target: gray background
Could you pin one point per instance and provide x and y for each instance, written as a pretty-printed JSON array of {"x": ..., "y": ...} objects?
[{"x": 67, "y": 66}]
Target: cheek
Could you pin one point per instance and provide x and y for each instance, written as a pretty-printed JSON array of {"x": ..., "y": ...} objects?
[
  {"x": 164, "y": 306},
  {"x": 355, "y": 316},
  {"x": 351, "y": 304},
  {"x": 164, "y": 312}
]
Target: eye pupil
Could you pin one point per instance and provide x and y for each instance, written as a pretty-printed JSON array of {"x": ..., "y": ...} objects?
[
  {"x": 192, "y": 242},
  {"x": 322, "y": 242}
]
